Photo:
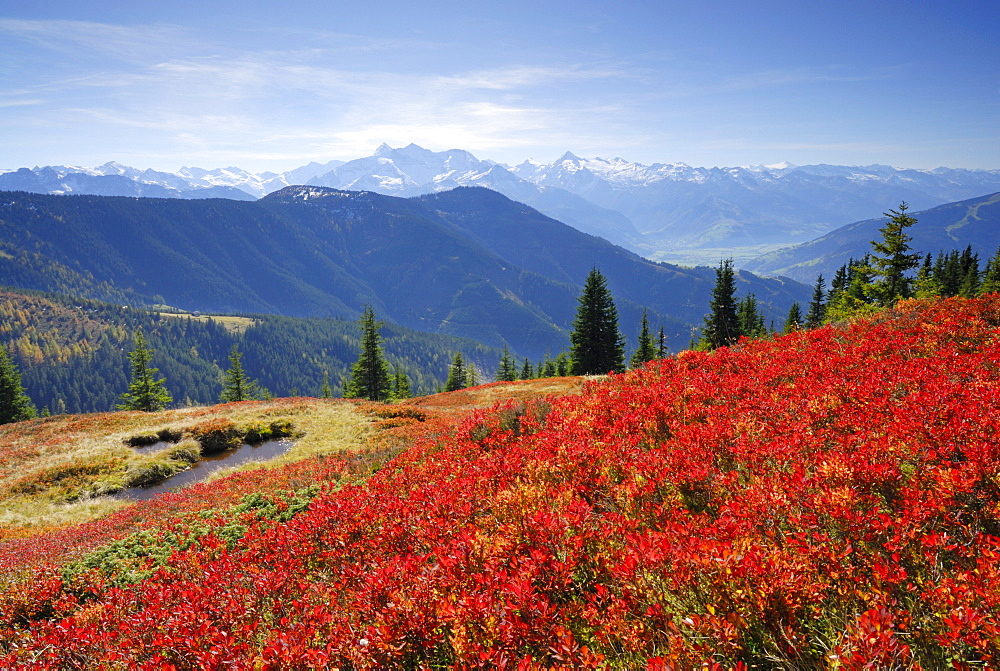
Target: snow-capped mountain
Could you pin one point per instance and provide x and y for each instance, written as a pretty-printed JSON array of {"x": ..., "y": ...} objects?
[{"x": 666, "y": 211}]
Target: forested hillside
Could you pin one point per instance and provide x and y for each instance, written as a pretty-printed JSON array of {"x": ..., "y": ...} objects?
[
  {"x": 72, "y": 353},
  {"x": 469, "y": 262}
]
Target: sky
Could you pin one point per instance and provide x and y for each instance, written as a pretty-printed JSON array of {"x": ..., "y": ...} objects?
[{"x": 273, "y": 86}]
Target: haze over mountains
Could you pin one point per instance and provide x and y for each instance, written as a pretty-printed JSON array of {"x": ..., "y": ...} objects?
[{"x": 665, "y": 211}]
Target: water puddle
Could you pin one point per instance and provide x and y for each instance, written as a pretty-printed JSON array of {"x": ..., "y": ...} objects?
[{"x": 201, "y": 470}]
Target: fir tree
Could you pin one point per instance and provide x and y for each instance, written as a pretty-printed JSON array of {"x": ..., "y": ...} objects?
[
  {"x": 236, "y": 385},
  {"x": 506, "y": 370},
  {"x": 892, "y": 259},
  {"x": 817, "y": 308},
  {"x": 596, "y": 344},
  {"x": 400, "y": 385},
  {"x": 646, "y": 349},
  {"x": 794, "y": 320},
  {"x": 662, "y": 344},
  {"x": 370, "y": 374},
  {"x": 562, "y": 364},
  {"x": 145, "y": 392},
  {"x": 457, "y": 378},
  {"x": 527, "y": 370},
  {"x": 325, "y": 391},
  {"x": 751, "y": 321},
  {"x": 991, "y": 278},
  {"x": 721, "y": 324},
  {"x": 15, "y": 406}
]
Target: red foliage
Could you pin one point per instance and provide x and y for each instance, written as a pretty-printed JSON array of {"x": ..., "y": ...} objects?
[{"x": 831, "y": 497}]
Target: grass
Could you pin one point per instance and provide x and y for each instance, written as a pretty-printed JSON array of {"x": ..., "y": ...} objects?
[
  {"x": 54, "y": 470},
  {"x": 230, "y": 323}
]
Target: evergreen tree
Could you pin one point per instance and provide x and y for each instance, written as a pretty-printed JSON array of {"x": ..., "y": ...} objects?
[
  {"x": 370, "y": 374},
  {"x": 506, "y": 370},
  {"x": 794, "y": 320},
  {"x": 527, "y": 370},
  {"x": 15, "y": 406},
  {"x": 646, "y": 349},
  {"x": 145, "y": 392},
  {"x": 991, "y": 278},
  {"x": 562, "y": 364},
  {"x": 892, "y": 259},
  {"x": 749, "y": 318},
  {"x": 926, "y": 284},
  {"x": 325, "y": 391},
  {"x": 721, "y": 324},
  {"x": 817, "y": 308},
  {"x": 596, "y": 344},
  {"x": 661, "y": 351},
  {"x": 237, "y": 385},
  {"x": 400, "y": 386},
  {"x": 456, "y": 374}
]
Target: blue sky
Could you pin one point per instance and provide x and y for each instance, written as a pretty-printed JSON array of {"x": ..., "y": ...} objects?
[{"x": 217, "y": 83}]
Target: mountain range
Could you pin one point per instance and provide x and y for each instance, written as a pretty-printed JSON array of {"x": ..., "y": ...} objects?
[
  {"x": 971, "y": 223},
  {"x": 664, "y": 211},
  {"x": 466, "y": 262}
]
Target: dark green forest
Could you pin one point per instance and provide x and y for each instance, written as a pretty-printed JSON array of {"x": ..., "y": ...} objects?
[{"x": 73, "y": 353}]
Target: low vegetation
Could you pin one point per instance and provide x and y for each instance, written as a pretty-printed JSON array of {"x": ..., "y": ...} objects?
[{"x": 826, "y": 498}]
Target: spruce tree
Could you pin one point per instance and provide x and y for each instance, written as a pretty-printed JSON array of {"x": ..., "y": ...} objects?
[
  {"x": 646, "y": 349},
  {"x": 892, "y": 259},
  {"x": 325, "y": 391},
  {"x": 506, "y": 370},
  {"x": 400, "y": 385},
  {"x": 794, "y": 320},
  {"x": 457, "y": 378},
  {"x": 527, "y": 370},
  {"x": 236, "y": 385},
  {"x": 817, "y": 308},
  {"x": 749, "y": 318},
  {"x": 15, "y": 406},
  {"x": 145, "y": 392},
  {"x": 370, "y": 374},
  {"x": 661, "y": 344},
  {"x": 991, "y": 278},
  {"x": 596, "y": 344},
  {"x": 721, "y": 324}
]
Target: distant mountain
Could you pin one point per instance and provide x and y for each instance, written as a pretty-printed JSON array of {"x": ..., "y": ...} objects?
[
  {"x": 664, "y": 211},
  {"x": 953, "y": 226},
  {"x": 467, "y": 262}
]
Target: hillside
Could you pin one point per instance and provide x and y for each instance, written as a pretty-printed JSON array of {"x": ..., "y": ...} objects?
[
  {"x": 72, "y": 353},
  {"x": 459, "y": 263},
  {"x": 954, "y": 226},
  {"x": 827, "y": 498}
]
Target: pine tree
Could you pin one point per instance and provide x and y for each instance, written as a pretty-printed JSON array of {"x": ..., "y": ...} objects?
[
  {"x": 721, "y": 324},
  {"x": 370, "y": 374},
  {"x": 456, "y": 374},
  {"x": 236, "y": 385},
  {"x": 596, "y": 344},
  {"x": 892, "y": 259},
  {"x": 506, "y": 371},
  {"x": 794, "y": 320},
  {"x": 145, "y": 392},
  {"x": 817, "y": 308},
  {"x": 15, "y": 406},
  {"x": 646, "y": 349}
]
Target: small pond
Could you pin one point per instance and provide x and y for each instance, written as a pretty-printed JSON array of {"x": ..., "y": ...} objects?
[{"x": 202, "y": 469}]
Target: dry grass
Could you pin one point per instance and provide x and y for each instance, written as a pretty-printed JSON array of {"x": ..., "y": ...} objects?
[
  {"x": 51, "y": 468},
  {"x": 231, "y": 324}
]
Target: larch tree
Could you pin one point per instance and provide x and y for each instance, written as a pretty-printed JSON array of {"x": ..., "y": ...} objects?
[
  {"x": 596, "y": 344},
  {"x": 15, "y": 406},
  {"x": 145, "y": 391},
  {"x": 369, "y": 377}
]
